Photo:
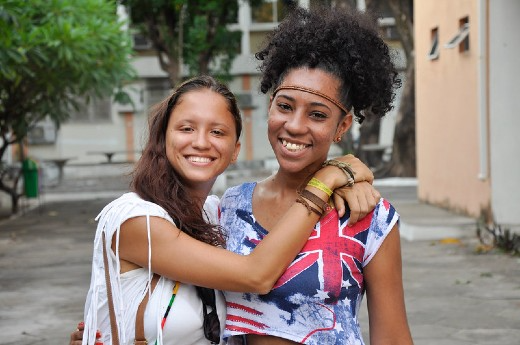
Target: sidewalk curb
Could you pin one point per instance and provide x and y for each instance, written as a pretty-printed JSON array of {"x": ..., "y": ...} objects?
[{"x": 419, "y": 221}]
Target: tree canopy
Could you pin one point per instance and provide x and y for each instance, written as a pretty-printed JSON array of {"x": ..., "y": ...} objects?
[
  {"x": 191, "y": 32},
  {"x": 51, "y": 53}
]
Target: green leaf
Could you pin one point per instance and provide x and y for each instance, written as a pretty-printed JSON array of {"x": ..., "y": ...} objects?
[{"x": 55, "y": 51}]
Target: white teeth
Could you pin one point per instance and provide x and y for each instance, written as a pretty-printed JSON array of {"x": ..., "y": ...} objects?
[
  {"x": 292, "y": 146},
  {"x": 199, "y": 159}
]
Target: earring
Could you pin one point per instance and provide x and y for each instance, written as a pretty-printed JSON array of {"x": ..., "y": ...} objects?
[{"x": 337, "y": 140}]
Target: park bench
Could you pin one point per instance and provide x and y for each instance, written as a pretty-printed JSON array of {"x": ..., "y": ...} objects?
[
  {"x": 60, "y": 163},
  {"x": 110, "y": 154}
]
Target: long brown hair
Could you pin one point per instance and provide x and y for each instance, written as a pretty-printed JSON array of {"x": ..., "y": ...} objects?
[{"x": 155, "y": 180}]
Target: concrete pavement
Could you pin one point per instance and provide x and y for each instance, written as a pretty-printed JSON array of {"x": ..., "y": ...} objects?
[{"x": 454, "y": 296}]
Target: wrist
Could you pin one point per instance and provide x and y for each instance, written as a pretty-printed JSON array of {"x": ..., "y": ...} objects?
[
  {"x": 346, "y": 168},
  {"x": 317, "y": 197},
  {"x": 331, "y": 177}
]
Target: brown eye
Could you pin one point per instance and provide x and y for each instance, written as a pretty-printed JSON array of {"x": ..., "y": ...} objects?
[
  {"x": 284, "y": 106},
  {"x": 217, "y": 132},
  {"x": 318, "y": 115}
]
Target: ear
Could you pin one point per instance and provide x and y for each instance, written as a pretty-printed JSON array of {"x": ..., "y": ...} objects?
[
  {"x": 236, "y": 152},
  {"x": 344, "y": 125}
]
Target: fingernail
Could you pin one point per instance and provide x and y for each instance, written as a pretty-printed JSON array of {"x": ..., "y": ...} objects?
[
  {"x": 98, "y": 343},
  {"x": 98, "y": 334},
  {"x": 81, "y": 324}
]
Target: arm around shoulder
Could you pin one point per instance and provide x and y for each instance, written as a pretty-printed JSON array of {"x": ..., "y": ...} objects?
[{"x": 178, "y": 256}]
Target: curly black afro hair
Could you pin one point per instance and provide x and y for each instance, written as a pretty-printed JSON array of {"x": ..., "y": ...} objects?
[{"x": 343, "y": 43}]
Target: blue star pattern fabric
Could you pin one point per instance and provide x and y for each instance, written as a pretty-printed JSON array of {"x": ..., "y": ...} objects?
[{"x": 317, "y": 299}]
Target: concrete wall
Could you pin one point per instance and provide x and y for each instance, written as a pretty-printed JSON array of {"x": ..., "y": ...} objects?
[
  {"x": 447, "y": 109},
  {"x": 504, "y": 109},
  {"x": 118, "y": 133}
]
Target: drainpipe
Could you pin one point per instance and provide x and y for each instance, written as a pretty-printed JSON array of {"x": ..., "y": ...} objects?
[{"x": 483, "y": 88}]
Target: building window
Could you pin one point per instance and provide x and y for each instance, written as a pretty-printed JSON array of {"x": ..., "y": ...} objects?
[
  {"x": 271, "y": 11},
  {"x": 461, "y": 39},
  {"x": 158, "y": 89},
  {"x": 141, "y": 42},
  {"x": 92, "y": 110},
  {"x": 434, "y": 50},
  {"x": 42, "y": 133}
]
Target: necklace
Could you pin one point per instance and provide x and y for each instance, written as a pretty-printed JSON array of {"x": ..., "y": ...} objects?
[{"x": 174, "y": 293}]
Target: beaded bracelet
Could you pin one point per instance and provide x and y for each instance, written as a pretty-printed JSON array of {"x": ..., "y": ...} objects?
[
  {"x": 314, "y": 182},
  {"x": 345, "y": 167},
  {"x": 309, "y": 208},
  {"x": 306, "y": 194}
]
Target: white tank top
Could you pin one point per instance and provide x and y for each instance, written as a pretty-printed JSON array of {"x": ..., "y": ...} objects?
[{"x": 184, "y": 322}]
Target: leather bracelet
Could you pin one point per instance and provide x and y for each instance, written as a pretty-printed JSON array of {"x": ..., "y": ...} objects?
[
  {"x": 306, "y": 194},
  {"x": 309, "y": 208},
  {"x": 345, "y": 167}
]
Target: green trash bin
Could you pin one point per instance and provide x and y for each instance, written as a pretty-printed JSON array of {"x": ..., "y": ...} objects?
[{"x": 30, "y": 176}]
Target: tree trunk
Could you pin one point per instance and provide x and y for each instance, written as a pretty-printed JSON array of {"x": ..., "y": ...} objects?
[
  {"x": 368, "y": 134},
  {"x": 403, "y": 162},
  {"x": 15, "y": 197},
  {"x": 4, "y": 175},
  {"x": 166, "y": 54},
  {"x": 11, "y": 191}
]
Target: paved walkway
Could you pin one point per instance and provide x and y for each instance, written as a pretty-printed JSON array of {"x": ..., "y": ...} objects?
[{"x": 453, "y": 295}]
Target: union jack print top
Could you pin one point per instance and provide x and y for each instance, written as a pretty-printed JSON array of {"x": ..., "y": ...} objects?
[{"x": 317, "y": 299}]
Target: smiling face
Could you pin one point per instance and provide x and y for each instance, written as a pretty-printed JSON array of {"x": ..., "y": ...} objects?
[
  {"x": 201, "y": 138},
  {"x": 302, "y": 125}
]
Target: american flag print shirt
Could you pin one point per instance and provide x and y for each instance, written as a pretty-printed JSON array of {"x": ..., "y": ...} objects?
[{"x": 317, "y": 299}]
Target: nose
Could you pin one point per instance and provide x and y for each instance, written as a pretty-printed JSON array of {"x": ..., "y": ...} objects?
[
  {"x": 295, "y": 124},
  {"x": 201, "y": 141}
]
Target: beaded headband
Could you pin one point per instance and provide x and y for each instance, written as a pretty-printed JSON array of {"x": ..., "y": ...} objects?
[{"x": 317, "y": 93}]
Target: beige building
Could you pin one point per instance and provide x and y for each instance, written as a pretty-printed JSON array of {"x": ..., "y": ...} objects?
[{"x": 467, "y": 69}]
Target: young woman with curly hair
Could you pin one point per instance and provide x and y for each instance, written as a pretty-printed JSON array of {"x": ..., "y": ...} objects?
[
  {"x": 162, "y": 236},
  {"x": 322, "y": 67}
]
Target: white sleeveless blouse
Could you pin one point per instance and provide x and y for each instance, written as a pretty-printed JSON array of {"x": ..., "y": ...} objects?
[{"x": 184, "y": 322}]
